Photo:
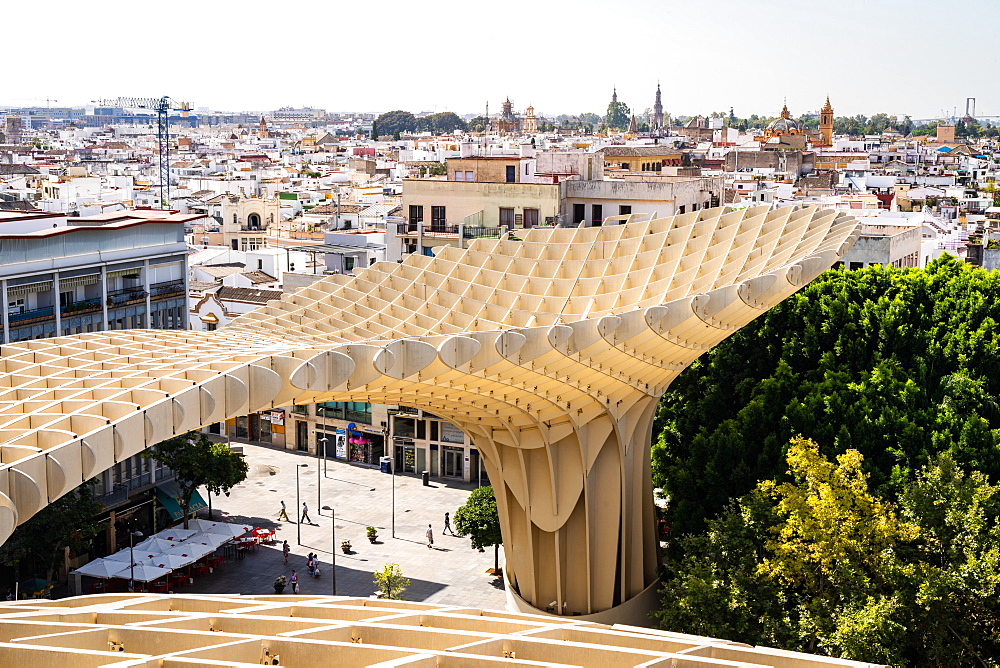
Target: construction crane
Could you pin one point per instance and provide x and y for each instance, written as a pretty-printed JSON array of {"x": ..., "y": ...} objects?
[{"x": 162, "y": 106}]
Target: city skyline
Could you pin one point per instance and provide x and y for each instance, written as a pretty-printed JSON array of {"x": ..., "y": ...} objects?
[{"x": 868, "y": 57}]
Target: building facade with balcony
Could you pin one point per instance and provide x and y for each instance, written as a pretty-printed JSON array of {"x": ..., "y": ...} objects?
[
  {"x": 61, "y": 276},
  {"x": 593, "y": 202},
  {"x": 448, "y": 213}
]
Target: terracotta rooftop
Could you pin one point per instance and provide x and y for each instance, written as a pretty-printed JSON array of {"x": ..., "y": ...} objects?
[
  {"x": 259, "y": 277},
  {"x": 252, "y": 295}
]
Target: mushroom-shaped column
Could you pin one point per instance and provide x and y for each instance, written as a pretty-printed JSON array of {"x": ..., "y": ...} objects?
[{"x": 576, "y": 513}]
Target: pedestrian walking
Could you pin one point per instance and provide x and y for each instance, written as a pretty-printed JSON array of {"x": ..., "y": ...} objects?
[
  {"x": 447, "y": 525},
  {"x": 285, "y": 549},
  {"x": 284, "y": 513},
  {"x": 305, "y": 514},
  {"x": 294, "y": 580},
  {"x": 430, "y": 537},
  {"x": 309, "y": 563}
]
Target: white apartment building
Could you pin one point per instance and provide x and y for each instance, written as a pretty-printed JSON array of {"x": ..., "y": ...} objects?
[{"x": 61, "y": 275}]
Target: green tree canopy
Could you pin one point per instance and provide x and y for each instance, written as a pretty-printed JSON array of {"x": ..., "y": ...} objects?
[
  {"x": 618, "y": 115},
  {"x": 478, "y": 124},
  {"x": 395, "y": 123},
  {"x": 69, "y": 521},
  {"x": 433, "y": 169},
  {"x": 899, "y": 364},
  {"x": 445, "y": 122},
  {"x": 197, "y": 461},
  {"x": 478, "y": 518}
]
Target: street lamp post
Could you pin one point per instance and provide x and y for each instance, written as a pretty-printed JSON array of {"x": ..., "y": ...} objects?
[
  {"x": 131, "y": 558},
  {"x": 298, "y": 502},
  {"x": 333, "y": 547},
  {"x": 392, "y": 470},
  {"x": 320, "y": 474},
  {"x": 392, "y": 467}
]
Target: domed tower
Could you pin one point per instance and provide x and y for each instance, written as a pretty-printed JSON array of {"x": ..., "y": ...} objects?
[
  {"x": 508, "y": 123},
  {"x": 783, "y": 125},
  {"x": 826, "y": 123}
]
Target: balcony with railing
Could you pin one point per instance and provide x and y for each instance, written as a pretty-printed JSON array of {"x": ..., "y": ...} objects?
[
  {"x": 470, "y": 227},
  {"x": 166, "y": 289},
  {"x": 126, "y": 296},
  {"x": 24, "y": 317},
  {"x": 82, "y": 306},
  {"x": 116, "y": 497},
  {"x": 138, "y": 481},
  {"x": 434, "y": 229}
]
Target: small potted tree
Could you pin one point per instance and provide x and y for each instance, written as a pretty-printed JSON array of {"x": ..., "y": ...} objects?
[
  {"x": 279, "y": 584},
  {"x": 390, "y": 582},
  {"x": 345, "y": 545},
  {"x": 372, "y": 534}
]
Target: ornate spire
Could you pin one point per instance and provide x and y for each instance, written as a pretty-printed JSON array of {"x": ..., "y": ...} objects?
[
  {"x": 827, "y": 107},
  {"x": 658, "y": 109},
  {"x": 784, "y": 111},
  {"x": 614, "y": 94}
]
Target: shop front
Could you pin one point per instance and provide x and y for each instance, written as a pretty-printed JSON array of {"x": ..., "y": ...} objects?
[
  {"x": 364, "y": 446},
  {"x": 452, "y": 462},
  {"x": 262, "y": 427},
  {"x": 350, "y": 444},
  {"x": 409, "y": 458}
]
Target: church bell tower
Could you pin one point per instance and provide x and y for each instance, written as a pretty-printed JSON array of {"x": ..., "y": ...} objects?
[{"x": 826, "y": 123}]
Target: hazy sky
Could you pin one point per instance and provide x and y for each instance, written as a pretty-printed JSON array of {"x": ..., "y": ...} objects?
[{"x": 912, "y": 57}]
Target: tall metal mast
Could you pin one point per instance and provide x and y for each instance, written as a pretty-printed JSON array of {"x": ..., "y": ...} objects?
[
  {"x": 162, "y": 107},
  {"x": 163, "y": 138}
]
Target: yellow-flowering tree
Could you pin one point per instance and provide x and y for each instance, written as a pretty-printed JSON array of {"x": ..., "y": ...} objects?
[
  {"x": 818, "y": 562},
  {"x": 833, "y": 539}
]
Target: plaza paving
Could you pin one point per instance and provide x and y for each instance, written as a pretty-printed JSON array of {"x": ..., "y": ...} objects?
[{"x": 451, "y": 573}]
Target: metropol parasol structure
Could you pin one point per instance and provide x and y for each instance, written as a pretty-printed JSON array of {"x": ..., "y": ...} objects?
[{"x": 550, "y": 351}]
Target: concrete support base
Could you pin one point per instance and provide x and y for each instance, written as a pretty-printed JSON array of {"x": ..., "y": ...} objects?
[{"x": 634, "y": 612}]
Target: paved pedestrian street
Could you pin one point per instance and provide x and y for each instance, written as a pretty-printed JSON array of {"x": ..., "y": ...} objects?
[{"x": 451, "y": 573}]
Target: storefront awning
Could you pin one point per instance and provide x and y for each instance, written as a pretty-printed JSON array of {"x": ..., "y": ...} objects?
[{"x": 167, "y": 494}]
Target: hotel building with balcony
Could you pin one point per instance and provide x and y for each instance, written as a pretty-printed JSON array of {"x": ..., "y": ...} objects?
[{"x": 61, "y": 275}]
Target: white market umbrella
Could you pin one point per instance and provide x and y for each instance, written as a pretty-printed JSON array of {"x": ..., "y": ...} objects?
[
  {"x": 225, "y": 528},
  {"x": 124, "y": 556},
  {"x": 154, "y": 544},
  {"x": 194, "y": 551},
  {"x": 142, "y": 573},
  {"x": 212, "y": 539},
  {"x": 177, "y": 534},
  {"x": 100, "y": 568},
  {"x": 171, "y": 561}
]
